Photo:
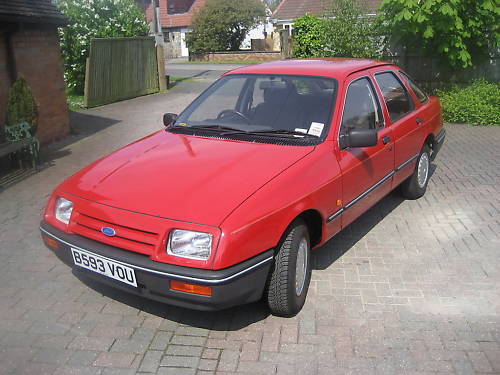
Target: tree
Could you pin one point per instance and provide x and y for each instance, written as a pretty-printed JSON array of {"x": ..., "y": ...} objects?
[
  {"x": 343, "y": 31},
  {"x": 90, "y": 19},
  {"x": 350, "y": 32},
  {"x": 459, "y": 32},
  {"x": 221, "y": 25}
]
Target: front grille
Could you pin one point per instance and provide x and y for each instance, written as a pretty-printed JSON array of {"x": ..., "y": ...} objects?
[{"x": 128, "y": 238}]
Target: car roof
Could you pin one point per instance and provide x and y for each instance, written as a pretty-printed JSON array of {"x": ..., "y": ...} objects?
[{"x": 328, "y": 67}]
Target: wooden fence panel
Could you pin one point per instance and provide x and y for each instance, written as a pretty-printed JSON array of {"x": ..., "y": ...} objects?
[
  {"x": 428, "y": 73},
  {"x": 120, "y": 68}
]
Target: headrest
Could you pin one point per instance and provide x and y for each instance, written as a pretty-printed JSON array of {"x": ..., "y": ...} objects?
[{"x": 273, "y": 85}]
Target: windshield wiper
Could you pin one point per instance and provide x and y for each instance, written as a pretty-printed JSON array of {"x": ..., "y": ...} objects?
[
  {"x": 227, "y": 130},
  {"x": 271, "y": 132},
  {"x": 212, "y": 127}
]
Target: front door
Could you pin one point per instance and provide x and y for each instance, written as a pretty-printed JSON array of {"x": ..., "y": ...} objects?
[{"x": 366, "y": 171}]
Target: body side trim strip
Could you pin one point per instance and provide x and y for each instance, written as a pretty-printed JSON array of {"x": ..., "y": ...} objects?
[
  {"x": 406, "y": 162},
  {"x": 355, "y": 200},
  {"x": 334, "y": 215},
  {"x": 369, "y": 190},
  {"x": 207, "y": 281}
]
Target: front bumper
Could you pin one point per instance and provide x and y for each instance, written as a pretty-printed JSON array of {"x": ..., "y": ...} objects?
[{"x": 235, "y": 285}]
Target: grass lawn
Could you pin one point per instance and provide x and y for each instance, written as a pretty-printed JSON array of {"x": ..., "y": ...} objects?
[
  {"x": 75, "y": 102},
  {"x": 174, "y": 81}
]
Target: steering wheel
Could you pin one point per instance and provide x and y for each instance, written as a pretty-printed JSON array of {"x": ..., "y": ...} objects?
[{"x": 227, "y": 112}]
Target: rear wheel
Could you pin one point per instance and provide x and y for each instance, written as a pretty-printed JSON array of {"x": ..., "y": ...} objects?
[
  {"x": 291, "y": 274},
  {"x": 415, "y": 186}
]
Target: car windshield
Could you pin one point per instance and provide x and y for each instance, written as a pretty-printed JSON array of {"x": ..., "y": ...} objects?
[{"x": 272, "y": 105}]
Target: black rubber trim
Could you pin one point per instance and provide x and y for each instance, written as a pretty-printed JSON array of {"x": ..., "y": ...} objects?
[
  {"x": 143, "y": 263},
  {"x": 438, "y": 143},
  {"x": 440, "y": 136}
]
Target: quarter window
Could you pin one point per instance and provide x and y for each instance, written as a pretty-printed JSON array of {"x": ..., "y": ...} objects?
[
  {"x": 361, "y": 108},
  {"x": 396, "y": 98},
  {"x": 419, "y": 93}
]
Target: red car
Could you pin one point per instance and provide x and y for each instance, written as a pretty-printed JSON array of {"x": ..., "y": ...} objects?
[{"x": 224, "y": 206}]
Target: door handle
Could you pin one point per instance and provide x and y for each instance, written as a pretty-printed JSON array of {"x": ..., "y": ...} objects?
[
  {"x": 418, "y": 120},
  {"x": 386, "y": 139}
]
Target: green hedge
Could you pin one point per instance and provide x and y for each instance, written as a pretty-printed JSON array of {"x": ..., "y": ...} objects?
[
  {"x": 21, "y": 105},
  {"x": 476, "y": 104}
]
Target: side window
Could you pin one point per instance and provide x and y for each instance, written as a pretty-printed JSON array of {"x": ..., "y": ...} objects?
[
  {"x": 419, "y": 93},
  {"x": 361, "y": 109},
  {"x": 396, "y": 97}
]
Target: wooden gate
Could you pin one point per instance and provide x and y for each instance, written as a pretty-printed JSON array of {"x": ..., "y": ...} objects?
[{"x": 120, "y": 68}]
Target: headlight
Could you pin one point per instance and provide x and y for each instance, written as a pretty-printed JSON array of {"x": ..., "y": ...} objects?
[
  {"x": 63, "y": 209},
  {"x": 189, "y": 244}
]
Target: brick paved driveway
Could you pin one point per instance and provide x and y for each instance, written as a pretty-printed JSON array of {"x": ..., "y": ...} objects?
[{"x": 412, "y": 287}]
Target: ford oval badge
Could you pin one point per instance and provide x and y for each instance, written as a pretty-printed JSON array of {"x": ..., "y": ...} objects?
[{"x": 107, "y": 231}]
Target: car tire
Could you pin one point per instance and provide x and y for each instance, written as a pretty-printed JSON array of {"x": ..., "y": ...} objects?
[
  {"x": 291, "y": 272},
  {"x": 415, "y": 186}
]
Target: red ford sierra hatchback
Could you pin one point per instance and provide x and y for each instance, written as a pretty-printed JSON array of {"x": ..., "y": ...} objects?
[{"x": 225, "y": 205}]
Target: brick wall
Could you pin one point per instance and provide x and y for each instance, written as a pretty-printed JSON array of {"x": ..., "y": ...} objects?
[
  {"x": 237, "y": 56},
  {"x": 38, "y": 59},
  {"x": 4, "y": 80}
]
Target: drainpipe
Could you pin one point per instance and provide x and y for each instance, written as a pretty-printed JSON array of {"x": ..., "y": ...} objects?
[{"x": 157, "y": 22}]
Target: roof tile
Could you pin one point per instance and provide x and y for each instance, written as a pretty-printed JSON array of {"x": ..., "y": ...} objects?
[
  {"x": 291, "y": 9},
  {"x": 167, "y": 19},
  {"x": 42, "y": 11}
]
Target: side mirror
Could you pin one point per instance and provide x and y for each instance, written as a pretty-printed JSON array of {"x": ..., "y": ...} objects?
[
  {"x": 359, "y": 138},
  {"x": 169, "y": 119}
]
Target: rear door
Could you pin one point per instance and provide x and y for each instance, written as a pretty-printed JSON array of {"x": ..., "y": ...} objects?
[
  {"x": 406, "y": 121},
  {"x": 366, "y": 171}
]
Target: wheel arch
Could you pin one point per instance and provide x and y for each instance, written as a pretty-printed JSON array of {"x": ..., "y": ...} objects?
[
  {"x": 314, "y": 222},
  {"x": 429, "y": 140}
]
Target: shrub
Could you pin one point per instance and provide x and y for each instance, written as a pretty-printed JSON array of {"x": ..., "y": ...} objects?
[
  {"x": 309, "y": 36},
  {"x": 476, "y": 104},
  {"x": 90, "y": 19},
  {"x": 21, "y": 106}
]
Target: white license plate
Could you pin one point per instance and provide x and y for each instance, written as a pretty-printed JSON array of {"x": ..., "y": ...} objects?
[{"x": 96, "y": 263}]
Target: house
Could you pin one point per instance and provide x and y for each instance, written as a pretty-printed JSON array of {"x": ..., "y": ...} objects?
[
  {"x": 172, "y": 20},
  {"x": 29, "y": 46},
  {"x": 288, "y": 10},
  {"x": 260, "y": 32}
]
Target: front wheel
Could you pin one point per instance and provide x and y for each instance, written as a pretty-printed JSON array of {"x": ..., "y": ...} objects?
[
  {"x": 291, "y": 274},
  {"x": 415, "y": 186}
]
